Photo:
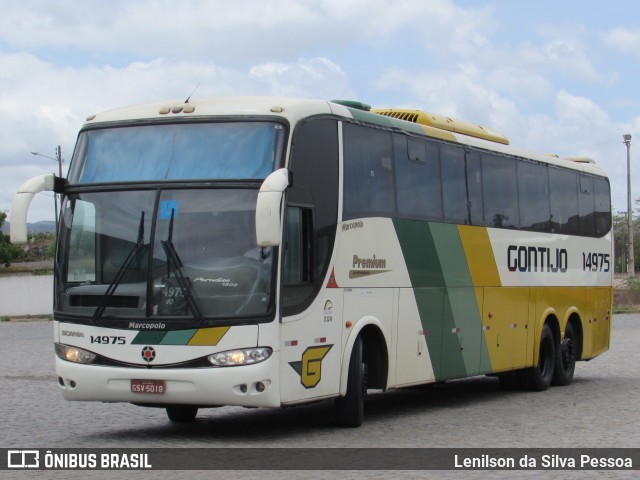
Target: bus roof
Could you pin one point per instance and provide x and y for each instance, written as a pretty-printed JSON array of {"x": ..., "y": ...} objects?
[
  {"x": 290, "y": 108},
  {"x": 295, "y": 109}
]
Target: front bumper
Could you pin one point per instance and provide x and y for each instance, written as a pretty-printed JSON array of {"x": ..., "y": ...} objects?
[{"x": 190, "y": 386}]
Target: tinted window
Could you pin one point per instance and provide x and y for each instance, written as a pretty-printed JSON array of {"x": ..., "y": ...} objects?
[
  {"x": 533, "y": 194},
  {"x": 177, "y": 152},
  {"x": 603, "y": 205},
  {"x": 368, "y": 173},
  {"x": 454, "y": 185},
  {"x": 474, "y": 187},
  {"x": 437, "y": 181},
  {"x": 312, "y": 212},
  {"x": 125, "y": 263},
  {"x": 418, "y": 180},
  {"x": 563, "y": 189},
  {"x": 587, "y": 205},
  {"x": 500, "y": 191}
]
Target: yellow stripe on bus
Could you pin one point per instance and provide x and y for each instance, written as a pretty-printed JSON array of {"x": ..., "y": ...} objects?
[
  {"x": 477, "y": 249},
  {"x": 208, "y": 336}
]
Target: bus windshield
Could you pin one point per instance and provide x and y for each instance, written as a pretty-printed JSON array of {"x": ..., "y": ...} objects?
[
  {"x": 186, "y": 151},
  {"x": 163, "y": 253}
]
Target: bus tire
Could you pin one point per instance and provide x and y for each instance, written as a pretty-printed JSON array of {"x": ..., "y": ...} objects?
[
  {"x": 538, "y": 378},
  {"x": 566, "y": 358},
  {"x": 350, "y": 408},
  {"x": 182, "y": 413}
]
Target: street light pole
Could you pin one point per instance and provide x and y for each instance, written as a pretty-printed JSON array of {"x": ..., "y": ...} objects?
[
  {"x": 630, "y": 258},
  {"x": 57, "y": 159}
]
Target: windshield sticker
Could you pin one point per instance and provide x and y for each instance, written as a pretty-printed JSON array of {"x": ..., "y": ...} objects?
[{"x": 166, "y": 209}]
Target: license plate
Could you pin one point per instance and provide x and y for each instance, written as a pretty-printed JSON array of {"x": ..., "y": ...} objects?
[{"x": 157, "y": 387}]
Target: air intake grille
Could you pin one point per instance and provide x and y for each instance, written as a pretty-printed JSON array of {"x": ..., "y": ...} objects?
[
  {"x": 400, "y": 115},
  {"x": 442, "y": 122}
]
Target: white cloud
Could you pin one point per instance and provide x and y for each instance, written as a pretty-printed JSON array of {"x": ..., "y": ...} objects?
[
  {"x": 570, "y": 58},
  {"x": 42, "y": 105},
  {"x": 187, "y": 30},
  {"x": 625, "y": 40},
  {"x": 460, "y": 93},
  {"x": 239, "y": 33},
  {"x": 526, "y": 86},
  {"x": 574, "y": 126},
  {"x": 317, "y": 78},
  {"x": 72, "y": 58},
  {"x": 435, "y": 25}
]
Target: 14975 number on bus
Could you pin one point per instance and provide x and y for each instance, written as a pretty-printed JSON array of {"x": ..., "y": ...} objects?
[{"x": 596, "y": 262}]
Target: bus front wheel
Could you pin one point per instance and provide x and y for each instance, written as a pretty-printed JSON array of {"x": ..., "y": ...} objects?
[
  {"x": 182, "y": 413},
  {"x": 350, "y": 408}
]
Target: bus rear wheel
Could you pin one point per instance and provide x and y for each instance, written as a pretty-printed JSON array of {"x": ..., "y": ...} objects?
[
  {"x": 350, "y": 408},
  {"x": 566, "y": 358},
  {"x": 182, "y": 413},
  {"x": 538, "y": 378}
]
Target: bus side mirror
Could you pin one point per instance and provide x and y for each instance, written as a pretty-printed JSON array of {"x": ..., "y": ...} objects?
[
  {"x": 22, "y": 200},
  {"x": 269, "y": 208}
]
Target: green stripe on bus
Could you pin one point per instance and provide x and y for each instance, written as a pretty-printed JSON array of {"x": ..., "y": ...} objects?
[
  {"x": 461, "y": 296},
  {"x": 178, "y": 337},
  {"x": 453, "y": 344},
  {"x": 420, "y": 253},
  {"x": 445, "y": 297},
  {"x": 450, "y": 253},
  {"x": 430, "y": 302},
  {"x": 148, "y": 338},
  {"x": 428, "y": 281}
]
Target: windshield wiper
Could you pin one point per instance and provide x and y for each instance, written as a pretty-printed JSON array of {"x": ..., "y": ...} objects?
[
  {"x": 124, "y": 268},
  {"x": 175, "y": 264}
]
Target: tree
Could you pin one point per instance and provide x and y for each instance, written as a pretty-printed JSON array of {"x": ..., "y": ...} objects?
[
  {"x": 8, "y": 251},
  {"x": 620, "y": 235},
  {"x": 621, "y": 238}
]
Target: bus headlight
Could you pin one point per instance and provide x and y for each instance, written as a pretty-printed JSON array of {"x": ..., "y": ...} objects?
[
  {"x": 74, "y": 354},
  {"x": 245, "y": 356}
]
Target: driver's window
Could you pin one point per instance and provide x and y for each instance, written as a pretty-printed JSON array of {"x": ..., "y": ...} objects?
[
  {"x": 82, "y": 245},
  {"x": 297, "y": 273}
]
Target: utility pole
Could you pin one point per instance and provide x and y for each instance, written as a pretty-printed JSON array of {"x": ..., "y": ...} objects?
[
  {"x": 59, "y": 158},
  {"x": 630, "y": 259}
]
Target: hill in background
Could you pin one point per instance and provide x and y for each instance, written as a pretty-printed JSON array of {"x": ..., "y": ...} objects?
[{"x": 48, "y": 226}]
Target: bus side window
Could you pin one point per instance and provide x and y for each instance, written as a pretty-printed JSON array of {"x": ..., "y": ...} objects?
[
  {"x": 454, "y": 187},
  {"x": 475, "y": 200},
  {"x": 563, "y": 191},
  {"x": 369, "y": 186},
  {"x": 587, "y": 206},
  {"x": 500, "y": 191},
  {"x": 418, "y": 184},
  {"x": 603, "y": 205},
  {"x": 297, "y": 271},
  {"x": 533, "y": 192}
]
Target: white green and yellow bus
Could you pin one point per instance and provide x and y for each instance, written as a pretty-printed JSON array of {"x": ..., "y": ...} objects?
[{"x": 270, "y": 252}]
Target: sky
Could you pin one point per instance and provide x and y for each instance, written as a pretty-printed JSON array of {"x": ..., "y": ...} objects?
[{"x": 556, "y": 76}]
